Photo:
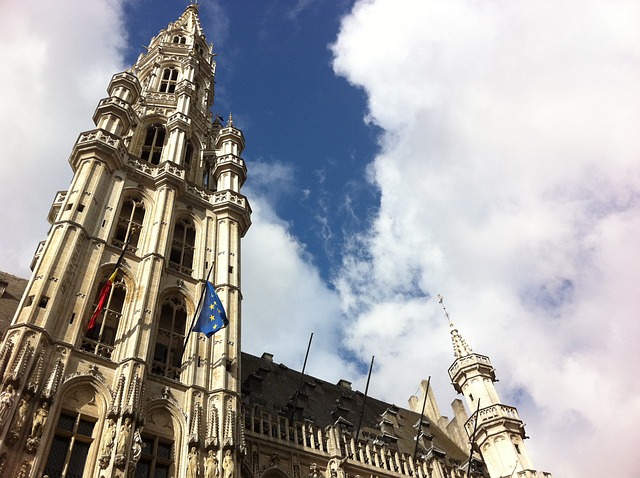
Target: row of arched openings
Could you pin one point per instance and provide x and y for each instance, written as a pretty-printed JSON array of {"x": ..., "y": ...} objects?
[
  {"x": 170, "y": 334},
  {"x": 129, "y": 227},
  {"x": 154, "y": 141}
]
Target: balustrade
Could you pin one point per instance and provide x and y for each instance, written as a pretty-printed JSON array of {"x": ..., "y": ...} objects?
[{"x": 366, "y": 453}]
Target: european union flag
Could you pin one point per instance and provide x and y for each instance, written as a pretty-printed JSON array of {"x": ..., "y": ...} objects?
[{"x": 212, "y": 315}]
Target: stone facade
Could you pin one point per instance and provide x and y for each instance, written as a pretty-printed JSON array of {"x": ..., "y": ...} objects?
[{"x": 154, "y": 210}]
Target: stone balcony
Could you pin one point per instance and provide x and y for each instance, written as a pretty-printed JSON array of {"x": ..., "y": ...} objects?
[
  {"x": 468, "y": 360},
  {"x": 491, "y": 414}
]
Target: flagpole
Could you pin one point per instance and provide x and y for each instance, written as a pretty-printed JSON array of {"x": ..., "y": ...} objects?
[
  {"x": 304, "y": 366},
  {"x": 473, "y": 439},
  {"x": 195, "y": 315},
  {"x": 424, "y": 403},
  {"x": 364, "y": 400}
]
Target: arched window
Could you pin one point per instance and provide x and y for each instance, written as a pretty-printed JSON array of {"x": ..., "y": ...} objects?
[
  {"x": 153, "y": 142},
  {"x": 167, "y": 354},
  {"x": 156, "y": 459},
  {"x": 70, "y": 446},
  {"x": 129, "y": 223},
  {"x": 158, "y": 454},
  {"x": 101, "y": 338},
  {"x": 183, "y": 246},
  {"x": 169, "y": 80}
]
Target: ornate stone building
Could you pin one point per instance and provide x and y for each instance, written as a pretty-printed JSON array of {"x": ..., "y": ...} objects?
[{"x": 156, "y": 195}]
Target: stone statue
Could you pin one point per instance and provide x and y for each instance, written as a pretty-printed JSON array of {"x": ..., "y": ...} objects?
[
  {"x": 313, "y": 471},
  {"x": 228, "y": 465},
  {"x": 107, "y": 440},
  {"x": 192, "y": 465},
  {"x": 108, "y": 437},
  {"x": 136, "y": 448},
  {"x": 334, "y": 468},
  {"x": 123, "y": 437},
  {"x": 21, "y": 415},
  {"x": 6, "y": 401},
  {"x": 211, "y": 466},
  {"x": 39, "y": 419}
]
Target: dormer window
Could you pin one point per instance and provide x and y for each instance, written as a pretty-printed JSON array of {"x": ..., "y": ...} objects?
[
  {"x": 179, "y": 39},
  {"x": 169, "y": 80}
]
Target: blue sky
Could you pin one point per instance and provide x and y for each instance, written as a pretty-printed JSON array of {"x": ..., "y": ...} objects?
[
  {"x": 275, "y": 76},
  {"x": 485, "y": 150}
]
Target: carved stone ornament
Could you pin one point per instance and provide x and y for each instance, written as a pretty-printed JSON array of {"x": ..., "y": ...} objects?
[
  {"x": 23, "y": 471},
  {"x": 18, "y": 422},
  {"x": 122, "y": 447},
  {"x": 211, "y": 469},
  {"x": 193, "y": 464},
  {"x": 107, "y": 442},
  {"x": 228, "y": 465},
  {"x": 7, "y": 398},
  {"x": 136, "y": 450},
  {"x": 37, "y": 427}
]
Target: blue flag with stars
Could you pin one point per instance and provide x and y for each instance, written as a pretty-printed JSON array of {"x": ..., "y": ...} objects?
[{"x": 212, "y": 315}]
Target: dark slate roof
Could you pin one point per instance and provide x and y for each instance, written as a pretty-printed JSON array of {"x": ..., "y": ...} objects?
[
  {"x": 15, "y": 287},
  {"x": 272, "y": 387}
]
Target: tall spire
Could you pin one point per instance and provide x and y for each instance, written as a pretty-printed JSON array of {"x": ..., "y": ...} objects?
[{"x": 460, "y": 346}]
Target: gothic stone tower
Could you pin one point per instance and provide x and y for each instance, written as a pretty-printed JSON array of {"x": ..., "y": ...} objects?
[
  {"x": 499, "y": 431},
  {"x": 158, "y": 178}
]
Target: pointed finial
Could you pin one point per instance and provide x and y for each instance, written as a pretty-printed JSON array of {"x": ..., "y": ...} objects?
[
  {"x": 230, "y": 122},
  {"x": 441, "y": 302},
  {"x": 460, "y": 347}
]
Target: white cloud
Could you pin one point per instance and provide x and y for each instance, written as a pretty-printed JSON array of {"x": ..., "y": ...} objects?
[
  {"x": 510, "y": 180},
  {"x": 287, "y": 300},
  {"x": 52, "y": 82}
]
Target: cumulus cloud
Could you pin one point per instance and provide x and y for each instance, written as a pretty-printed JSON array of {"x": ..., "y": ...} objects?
[
  {"x": 52, "y": 83},
  {"x": 288, "y": 300},
  {"x": 509, "y": 181}
]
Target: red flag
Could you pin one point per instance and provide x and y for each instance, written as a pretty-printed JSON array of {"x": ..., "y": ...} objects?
[{"x": 104, "y": 295}]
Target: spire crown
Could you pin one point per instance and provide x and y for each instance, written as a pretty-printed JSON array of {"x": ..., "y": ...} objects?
[{"x": 460, "y": 346}]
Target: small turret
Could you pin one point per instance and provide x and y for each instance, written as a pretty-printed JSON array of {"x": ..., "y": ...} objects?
[{"x": 499, "y": 431}]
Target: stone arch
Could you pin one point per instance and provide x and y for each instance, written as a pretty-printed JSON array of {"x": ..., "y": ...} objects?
[
  {"x": 164, "y": 421},
  {"x": 245, "y": 470},
  {"x": 190, "y": 300},
  {"x": 170, "y": 323},
  {"x": 274, "y": 472},
  {"x": 109, "y": 328},
  {"x": 84, "y": 395},
  {"x": 139, "y": 136},
  {"x": 131, "y": 219},
  {"x": 181, "y": 253}
]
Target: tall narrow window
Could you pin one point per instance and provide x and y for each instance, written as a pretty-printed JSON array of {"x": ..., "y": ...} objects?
[
  {"x": 183, "y": 246},
  {"x": 156, "y": 458},
  {"x": 101, "y": 338},
  {"x": 130, "y": 223},
  {"x": 205, "y": 179},
  {"x": 167, "y": 354},
  {"x": 169, "y": 80},
  {"x": 70, "y": 446},
  {"x": 153, "y": 142},
  {"x": 188, "y": 154}
]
